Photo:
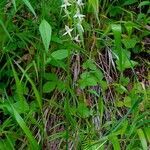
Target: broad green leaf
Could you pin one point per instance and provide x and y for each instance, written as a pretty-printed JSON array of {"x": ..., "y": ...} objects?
[
  {"x": 60, "y": 54},
  {"x": 129, "y": 43},
  {"x": 27, "y": 3},
  {"x": 45, "y": 31},
  {"x": 142, "y": 139},
  {"x": 49, "y": 86},
  {"x": 144, "y": 3}
]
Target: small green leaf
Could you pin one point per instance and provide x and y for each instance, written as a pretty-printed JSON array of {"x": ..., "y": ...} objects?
[
  {"x": 50, "y": 76},
  {"x": 49, "y": 86},
  {"x": 60, "y": 54},
  {"x": 127, "y": 101},
  {"x": 45, "y": 31},
  {"x": 89, "y": 65},
  {"x": 83, "y": 111},
  {"x": 129, "y": 43},
  {"x": 119, "y": 103},
  {"x": 27, "y": 3}
]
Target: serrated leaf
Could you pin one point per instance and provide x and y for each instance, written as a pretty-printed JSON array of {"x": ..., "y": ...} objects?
[
  {"x": 45, "y": 31},
  {"x": 60, "y": 54}
]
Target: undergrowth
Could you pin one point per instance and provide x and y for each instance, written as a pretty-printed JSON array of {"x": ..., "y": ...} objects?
[{"x": 74, "y": 74}]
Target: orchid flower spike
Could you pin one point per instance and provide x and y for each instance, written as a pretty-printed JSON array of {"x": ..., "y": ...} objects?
[
  {"x": 79, "y": 16},
  {"x": 65, "y": 4},
  {"x": 80, "y": 3},
  {"x": 68, "y": 31},
  {"x": 77, "y": 39}
]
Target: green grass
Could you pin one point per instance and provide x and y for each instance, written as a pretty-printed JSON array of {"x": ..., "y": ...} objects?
[{"x": 74, "y": 74}]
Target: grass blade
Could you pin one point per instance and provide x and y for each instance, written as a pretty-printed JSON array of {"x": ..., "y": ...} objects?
[
  {"x": 27, "y": 3},
  {"x": 6, "y": 31},
  {"x": 37, "y": 95},
  {"x": 14, "y": 4},
  {"x": 142, "y": 138},
  {"x": 22, "y": 124}
]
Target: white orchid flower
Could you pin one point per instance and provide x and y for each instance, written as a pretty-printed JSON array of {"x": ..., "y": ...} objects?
[
  {"x": 65, "y": 4},
  {"x": 77, "y": 39},
  {"x": 79, "y": 2},
  {"x": 79, "y": 16},
  {"x": 68, "y": 31}
]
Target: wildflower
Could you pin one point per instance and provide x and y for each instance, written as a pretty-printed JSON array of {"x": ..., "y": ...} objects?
[
  {"x": 68, "y": 31},
  {"x": 79, "y": 16},
  {"x": 66, "y": 4},
  {"x": 79, "y": 2},
  {"x": 77, "y": 39}
]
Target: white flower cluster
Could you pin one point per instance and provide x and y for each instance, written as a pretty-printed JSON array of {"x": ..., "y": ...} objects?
[{"x": 78, "y": 16}]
